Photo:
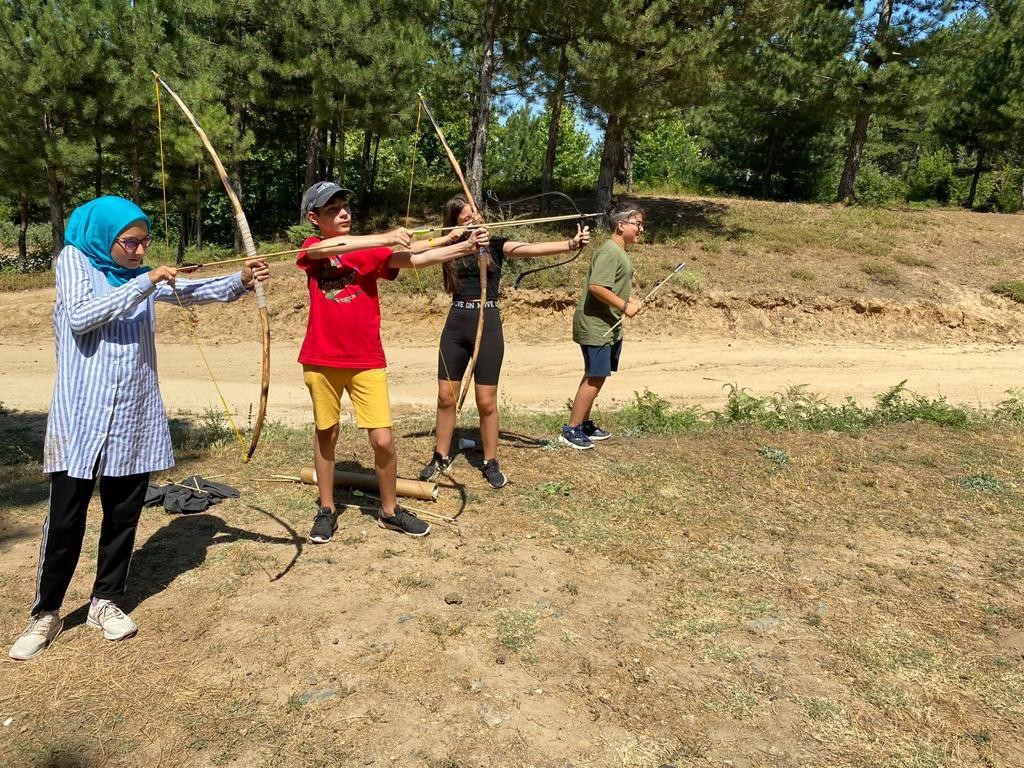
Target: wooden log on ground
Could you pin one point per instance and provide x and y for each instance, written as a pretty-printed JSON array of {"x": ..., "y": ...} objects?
[{"x": 412, "y": 489}]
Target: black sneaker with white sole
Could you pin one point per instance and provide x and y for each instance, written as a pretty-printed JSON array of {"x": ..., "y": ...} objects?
[
  {"x": 403, "y": 521},
  {"x": 324, "y": 525},
  {"x": 594, "y": 432},
  {"x": 574, "y": 437},
  {"x": 436, "y": 466},
  {"x": 493, "y": 474}
]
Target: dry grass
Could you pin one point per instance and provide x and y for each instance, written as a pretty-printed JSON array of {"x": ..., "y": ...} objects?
[{"x": 683, "y": 599}]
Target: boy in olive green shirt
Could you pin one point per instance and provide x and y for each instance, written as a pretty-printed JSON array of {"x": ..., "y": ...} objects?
[{"x": 595, "y": 324}]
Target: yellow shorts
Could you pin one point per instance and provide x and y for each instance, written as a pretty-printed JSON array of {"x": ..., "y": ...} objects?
[{"x": 367, "y": 389}]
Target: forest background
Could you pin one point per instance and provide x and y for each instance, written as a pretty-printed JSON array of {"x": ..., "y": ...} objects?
[{"x": 881, "y": 102}]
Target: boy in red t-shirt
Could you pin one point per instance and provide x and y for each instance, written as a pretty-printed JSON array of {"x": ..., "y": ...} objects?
[{"x": 342, "y": 350}]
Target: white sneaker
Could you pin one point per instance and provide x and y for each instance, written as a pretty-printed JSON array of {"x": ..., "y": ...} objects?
[
  {"x": 39, "y": 633},
  {"x": 115, "y": 623}
]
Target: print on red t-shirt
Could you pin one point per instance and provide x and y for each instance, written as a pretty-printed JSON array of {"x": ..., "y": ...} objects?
[{"x": 343, "y": 330}]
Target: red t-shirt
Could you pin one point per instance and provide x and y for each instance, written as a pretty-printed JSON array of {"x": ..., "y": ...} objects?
[{"x": 344, "y": 309}]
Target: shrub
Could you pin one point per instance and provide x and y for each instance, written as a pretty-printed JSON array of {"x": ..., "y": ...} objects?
[
  {"x": 933, "y": 177},
  {"x": 876, "y": 187},
  {"x": 650, "y": 413}
]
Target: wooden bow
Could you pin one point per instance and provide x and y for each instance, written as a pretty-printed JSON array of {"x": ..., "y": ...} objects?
[
  {"x": 483, "y": 259},
  {"x": 250, "y": 252}
]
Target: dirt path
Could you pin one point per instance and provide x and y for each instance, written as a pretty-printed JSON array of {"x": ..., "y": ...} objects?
[{"x": 544, "y": 376}]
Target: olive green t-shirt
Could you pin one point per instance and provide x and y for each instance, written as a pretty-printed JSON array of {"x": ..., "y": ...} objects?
[{"x": 610, "y": 266}]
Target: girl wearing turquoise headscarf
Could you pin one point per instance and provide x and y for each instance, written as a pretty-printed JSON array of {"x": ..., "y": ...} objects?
[{"x": 107, "y": 420}]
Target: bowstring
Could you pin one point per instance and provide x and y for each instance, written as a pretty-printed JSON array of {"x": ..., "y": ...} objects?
[
  {"x": 416, "y": 270},
  {"x": 581, "y": 220},
  {"x": 190, "y": 318}
]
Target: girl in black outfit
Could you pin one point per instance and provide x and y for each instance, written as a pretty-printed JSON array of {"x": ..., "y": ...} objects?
[{"x": 462, "y": 281}]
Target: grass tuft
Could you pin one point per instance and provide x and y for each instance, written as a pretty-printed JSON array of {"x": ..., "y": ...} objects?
[
  {"x": 517, "y": 628},
  {"x": 1013, "y": 289},
  {"x": 881, "y": 273}
]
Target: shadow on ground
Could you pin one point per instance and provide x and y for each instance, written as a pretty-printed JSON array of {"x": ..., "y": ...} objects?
[{"x": 177, "y": 548}]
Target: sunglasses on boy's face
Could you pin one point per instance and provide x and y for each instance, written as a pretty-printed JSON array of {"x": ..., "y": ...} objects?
[{"x": 131, "y": 244}]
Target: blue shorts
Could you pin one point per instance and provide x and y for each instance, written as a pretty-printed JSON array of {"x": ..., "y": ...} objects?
[{"x": 600, "y": 361}]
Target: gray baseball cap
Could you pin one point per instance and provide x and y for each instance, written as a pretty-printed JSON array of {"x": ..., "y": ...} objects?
[{"x": 318, "y": 195}]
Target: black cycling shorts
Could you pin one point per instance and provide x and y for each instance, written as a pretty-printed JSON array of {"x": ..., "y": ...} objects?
[{"x": 457, "y": 341}]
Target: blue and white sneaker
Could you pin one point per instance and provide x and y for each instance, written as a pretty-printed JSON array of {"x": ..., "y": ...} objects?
[
  {"x": 594, "y": 432},
  {"x": 574, "y": 437}
]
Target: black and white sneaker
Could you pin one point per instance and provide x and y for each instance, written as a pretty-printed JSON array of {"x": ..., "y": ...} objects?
[
  {"x": 493, "y": 474},
  {"x": 575, "y": 438},
  {"x": 594, "y": 432},
  {"x": 438, "y": 465},
  {"x": 324, "y": 525},
  {"x": 403, "y": 521}
]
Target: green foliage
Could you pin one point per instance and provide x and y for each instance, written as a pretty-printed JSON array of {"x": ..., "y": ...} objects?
[
  {"x": 517, "y": 147},
  {"x": 982, "y": 483},
  {"x": 798, "y": 409},
  {"x": 933, "y": 176},
  {"x": 650, "y": 413},
  {"x": 668, "y": 157},
  {"x": 38, "y": 242},
  {"x": 746, "y": 99},
  {"x": 877, "y": 187},
  {"x": 1012, "y": 408},
  {"x": 1013, "y": 289}
]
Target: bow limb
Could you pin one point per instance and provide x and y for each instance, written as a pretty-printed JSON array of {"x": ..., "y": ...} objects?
[
  {"x": 483, "y": 259},
  {"x": 250, "y": 251}
]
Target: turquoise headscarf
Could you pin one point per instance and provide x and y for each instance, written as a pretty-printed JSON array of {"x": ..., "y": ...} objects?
[{"x": 93, "y": 227}]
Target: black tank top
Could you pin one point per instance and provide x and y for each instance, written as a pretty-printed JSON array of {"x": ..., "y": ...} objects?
[{"x": 467, "y": 273}]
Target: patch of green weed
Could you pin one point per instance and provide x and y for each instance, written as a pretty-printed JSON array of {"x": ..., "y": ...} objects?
[{"x": 1013, "y": 289}]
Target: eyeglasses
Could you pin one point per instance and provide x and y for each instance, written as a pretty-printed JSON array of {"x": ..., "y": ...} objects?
[
  {"x": 131, "y": 244},
  {"x": 636, "y": 224}
]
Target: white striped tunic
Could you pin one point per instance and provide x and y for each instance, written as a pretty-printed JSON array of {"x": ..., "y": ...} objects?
[{"x": 107, "y": 413}]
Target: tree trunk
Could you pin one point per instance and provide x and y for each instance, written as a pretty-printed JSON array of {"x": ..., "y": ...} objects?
[
  {"x": 54, "y": 192},
  {"x": 859, "y": 136},
  {"x": 23, "y": 233},
  {"x": 610, "y": 153},
  {"x": 627, "y": 165},
  {"x": 481, "y": 116},
  {"x": 236, "y": 182},
  {"x": 341, "y": 143},
  {"x": 555, "y": 110},
  {"x": 238, "y": 179},
  {"x": 364, "y": 162},
  {"x": 136, "y": 176},
  {"x": 198, "y": 213},
  {"x": 769, "y": 164},
  {"x": 312, "y": 156},
  {"x": 183, "y": 237},
  {"x": 331, "y": 149},
  {"x": 373, "y": 167},
  {"x": 98, "y": 179},
  {"x": 854, "y": 155},
  {"x": 974, "y": 180}
]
